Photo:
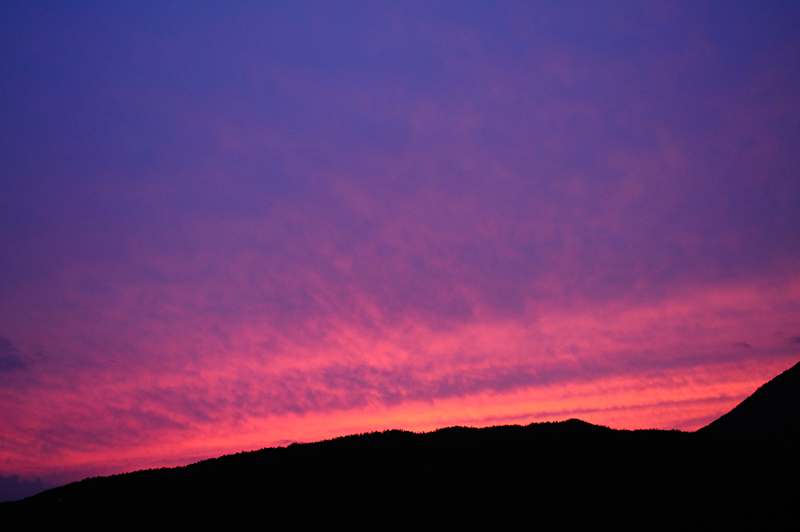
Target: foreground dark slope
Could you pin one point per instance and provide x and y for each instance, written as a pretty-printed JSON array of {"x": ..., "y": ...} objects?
[
  {"x": 771, "y": 413},
  {"x": 568, "y": 475}
]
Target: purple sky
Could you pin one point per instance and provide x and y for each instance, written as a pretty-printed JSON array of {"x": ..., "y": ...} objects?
[{"x": 227, "y": 226}]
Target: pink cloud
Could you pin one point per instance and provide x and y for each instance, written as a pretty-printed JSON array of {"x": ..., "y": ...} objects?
[{"x": 425, "y": 220}]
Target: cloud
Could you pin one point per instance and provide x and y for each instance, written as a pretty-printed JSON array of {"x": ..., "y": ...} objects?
[
  {"x": 475, "y": 214},
  {"x": 11, "y": 489},
  {"x": 6, "y": 346},
  {"x": 9, "y": 361},
  {"x": 794, "y": 340}
]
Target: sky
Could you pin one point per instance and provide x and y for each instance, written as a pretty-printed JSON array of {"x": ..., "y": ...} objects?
[{"x": 233, "y": 225}]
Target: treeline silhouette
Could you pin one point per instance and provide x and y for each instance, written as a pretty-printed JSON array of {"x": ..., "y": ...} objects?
[{"x": 552, "y": 476}]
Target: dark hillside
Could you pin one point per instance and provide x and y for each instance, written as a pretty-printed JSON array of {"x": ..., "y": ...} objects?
[
  {"x": 551, "y": 476},
  {"x": 771, "y": 413}
]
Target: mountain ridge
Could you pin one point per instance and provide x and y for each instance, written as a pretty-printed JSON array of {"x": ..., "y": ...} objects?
[{"x": 564, "y": 475}]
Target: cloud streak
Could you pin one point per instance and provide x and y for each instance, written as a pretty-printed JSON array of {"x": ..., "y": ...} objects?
[{"x": 9, "y": 361}]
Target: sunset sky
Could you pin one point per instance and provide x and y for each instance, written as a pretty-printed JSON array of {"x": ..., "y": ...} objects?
[{"x": 233, "y": 225}]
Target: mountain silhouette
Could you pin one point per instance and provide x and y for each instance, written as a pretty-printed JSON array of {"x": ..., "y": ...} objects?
[
  {"x": 771, "y": 413},
  {"x": 569, "y": 475}
]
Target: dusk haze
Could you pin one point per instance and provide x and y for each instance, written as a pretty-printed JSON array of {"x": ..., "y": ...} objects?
[{"x": 226, "y": 226}]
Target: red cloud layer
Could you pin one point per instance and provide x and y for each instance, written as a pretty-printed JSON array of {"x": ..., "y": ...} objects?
[{"x": 286, "y": 224}]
